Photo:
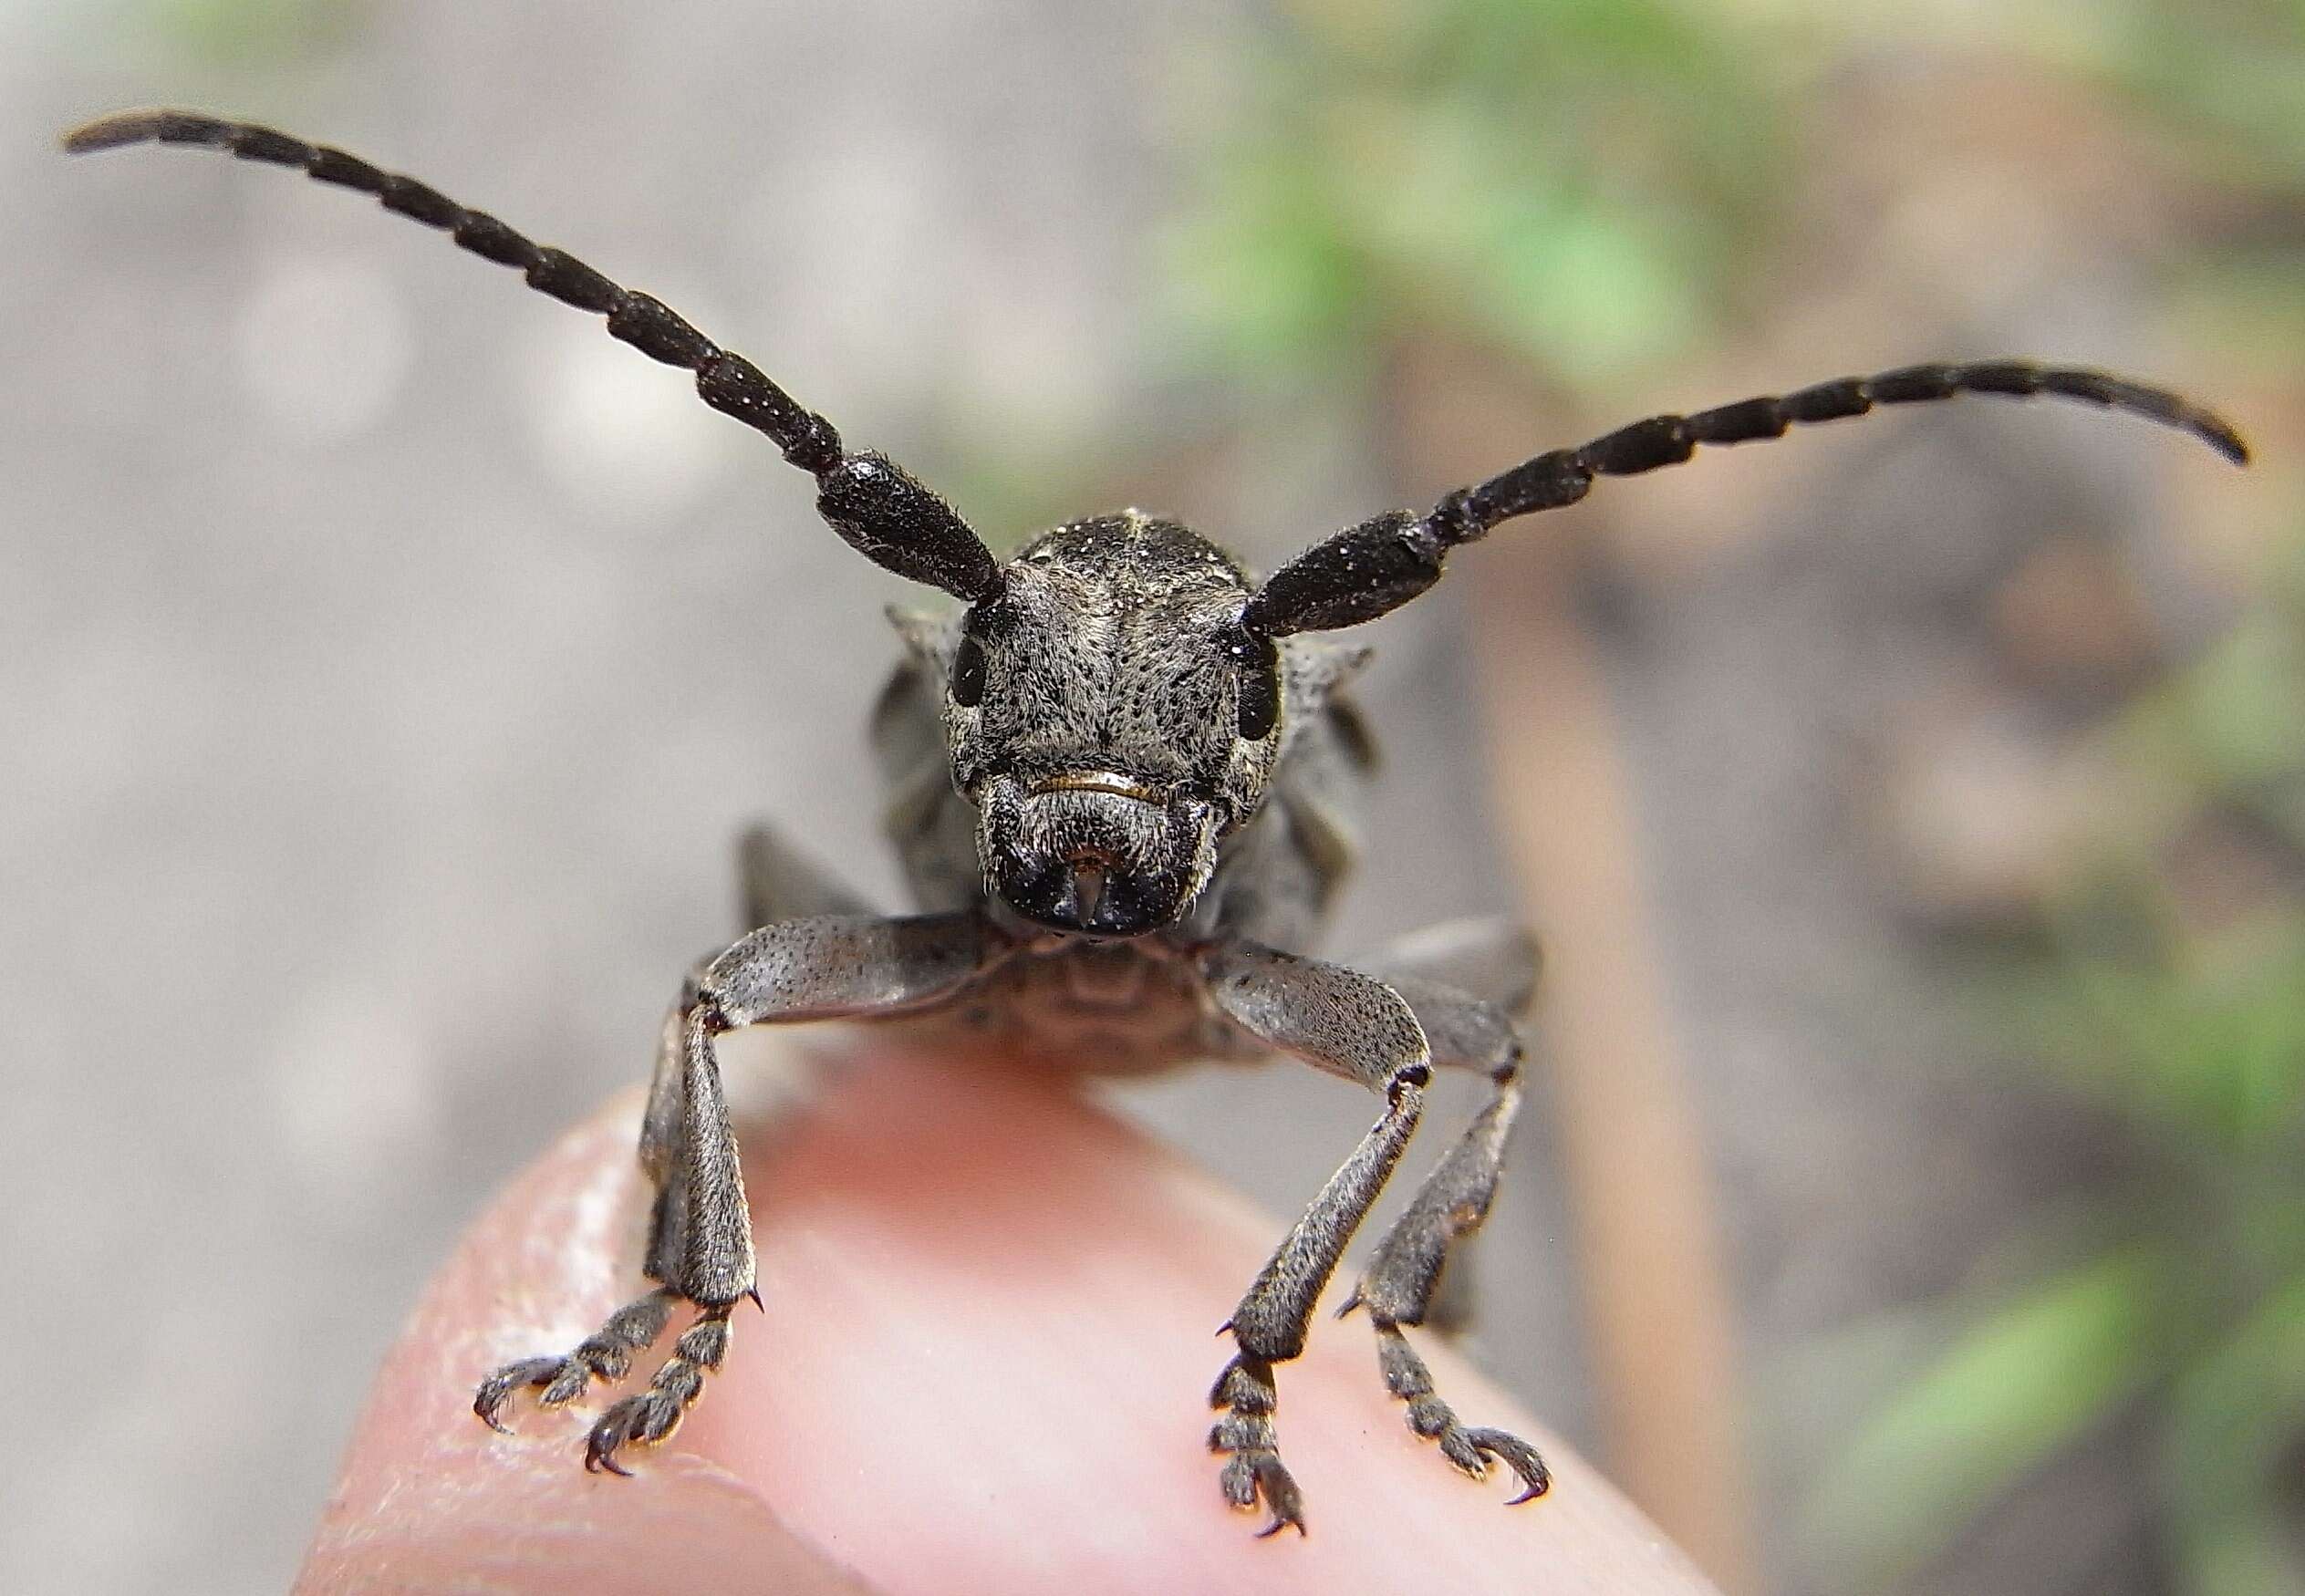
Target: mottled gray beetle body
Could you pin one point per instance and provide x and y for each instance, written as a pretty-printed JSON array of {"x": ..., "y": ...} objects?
[
  {"x": 1105, "y": 742},
  {"x": 1118, "y": 784}
]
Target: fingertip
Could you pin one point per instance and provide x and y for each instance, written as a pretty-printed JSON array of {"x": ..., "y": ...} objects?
[
  {"x": 508, "y": 1528},
  {"x": 977, "y": 1366},
  {"x": 431, "y": 1498}
]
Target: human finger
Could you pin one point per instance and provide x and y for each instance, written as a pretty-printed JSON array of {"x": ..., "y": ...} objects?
[{"x": 981, "y": 1367}]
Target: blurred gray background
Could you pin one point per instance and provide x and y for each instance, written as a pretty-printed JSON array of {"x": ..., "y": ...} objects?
[{"x": 387, "y": 659}]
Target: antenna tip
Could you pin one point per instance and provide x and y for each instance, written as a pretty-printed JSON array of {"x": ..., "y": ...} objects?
[
  {"x": 2222, "y": 438},
  {"x": 143, "y": 125},
  {"x": 107, "y": 133}
]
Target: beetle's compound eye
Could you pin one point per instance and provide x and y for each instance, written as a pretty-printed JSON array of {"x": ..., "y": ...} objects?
[
  {"x": 1258, "y": 665},
  {"x": 967, "y": 672}
]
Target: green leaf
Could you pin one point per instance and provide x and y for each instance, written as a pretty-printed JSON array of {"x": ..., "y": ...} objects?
[
  {"x": 2236, "y": 1414},
  {"x": 2036, "y": 1373}
]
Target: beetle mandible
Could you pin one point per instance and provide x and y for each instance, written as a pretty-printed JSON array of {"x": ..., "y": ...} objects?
[{"x": 1115, "y": 777}]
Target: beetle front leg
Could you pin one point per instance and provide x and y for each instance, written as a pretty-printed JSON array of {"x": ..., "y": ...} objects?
[
  {"x": 700, "y": 1247},
  {"x": 607, "y": 1354},
  {"x": 1349, "y": 1025}
]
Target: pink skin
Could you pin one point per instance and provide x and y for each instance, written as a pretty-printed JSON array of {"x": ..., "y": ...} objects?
[{"x": 981, "y": 1368}]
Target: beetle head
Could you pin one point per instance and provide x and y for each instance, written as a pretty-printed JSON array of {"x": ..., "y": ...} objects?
[{"x": 1111, "y": 720}]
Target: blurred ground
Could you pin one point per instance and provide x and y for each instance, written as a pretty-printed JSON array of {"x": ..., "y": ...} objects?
[{"x": 386, "y": 659}]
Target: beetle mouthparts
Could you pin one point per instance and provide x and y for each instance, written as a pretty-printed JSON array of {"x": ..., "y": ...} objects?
[{"x": 1094, "y": 781}]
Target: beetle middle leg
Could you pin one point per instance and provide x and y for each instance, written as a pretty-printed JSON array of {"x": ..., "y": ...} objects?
[
  {"x": 1406, "y": 1270},
  {"x": 1498, "y": 960},
  {"x": 700, "y": 1250}
]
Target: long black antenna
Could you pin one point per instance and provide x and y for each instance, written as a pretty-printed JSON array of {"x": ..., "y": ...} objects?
[
  {"x": 877, "y": 506},
  {"x": 1381, "y": 564}
]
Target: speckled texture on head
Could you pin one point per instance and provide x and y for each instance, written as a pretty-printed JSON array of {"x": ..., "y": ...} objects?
[{"x": 1109, "y": 720}]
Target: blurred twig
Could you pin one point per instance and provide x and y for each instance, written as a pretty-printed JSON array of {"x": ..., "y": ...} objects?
[{"x": 1647, "y": 1247}]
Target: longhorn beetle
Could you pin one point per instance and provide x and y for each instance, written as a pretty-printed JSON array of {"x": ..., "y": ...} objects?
[{"x": 1116, "y": 778}]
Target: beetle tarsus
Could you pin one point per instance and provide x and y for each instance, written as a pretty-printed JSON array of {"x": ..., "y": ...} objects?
[{"x": 647, "y": 1417}]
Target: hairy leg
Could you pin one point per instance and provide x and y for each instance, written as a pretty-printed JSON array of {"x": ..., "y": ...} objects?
[
  {"x": 1405, "y": 1271},
  {"x": 700, "y": 1245},
  {"x": 1495, "y": 960},
  {"x": 1353, "y": 1026}
]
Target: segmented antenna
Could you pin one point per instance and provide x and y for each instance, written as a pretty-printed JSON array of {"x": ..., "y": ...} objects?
[
  {"x": 1379, "y": 565},
  {"x": 878, "y": 508}
]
